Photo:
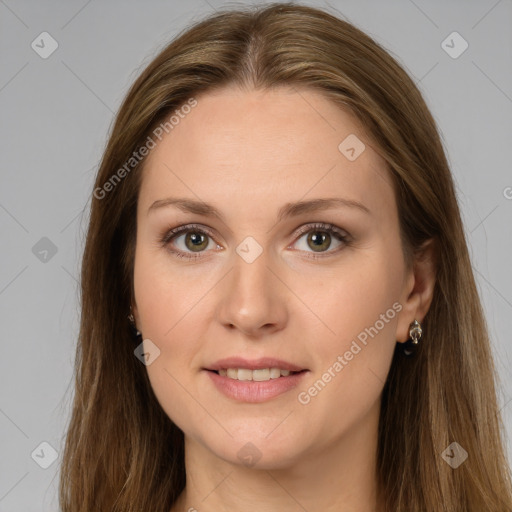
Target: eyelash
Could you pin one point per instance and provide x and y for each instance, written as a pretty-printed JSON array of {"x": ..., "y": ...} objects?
[{"x": 195, "y": 228}]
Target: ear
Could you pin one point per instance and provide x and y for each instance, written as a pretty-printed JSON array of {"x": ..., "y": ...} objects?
[{"x": 418, "y": 289}]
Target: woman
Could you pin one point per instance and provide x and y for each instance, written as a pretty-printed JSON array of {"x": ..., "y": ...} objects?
[{"x": 278, "y": 306}]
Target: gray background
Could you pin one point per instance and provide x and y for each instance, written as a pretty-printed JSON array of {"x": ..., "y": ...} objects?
[{"x": 55, "y": 114}]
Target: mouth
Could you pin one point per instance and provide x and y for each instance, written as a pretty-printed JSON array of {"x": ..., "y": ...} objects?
[{"x": 254, "y": 380}]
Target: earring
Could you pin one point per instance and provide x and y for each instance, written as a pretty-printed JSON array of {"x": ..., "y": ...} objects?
[
  {"x": 137, "y": 335},
  {"x": 415, "y": 334}
]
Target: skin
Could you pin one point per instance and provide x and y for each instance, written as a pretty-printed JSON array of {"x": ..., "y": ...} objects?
[{"x": 248, "y": 153}]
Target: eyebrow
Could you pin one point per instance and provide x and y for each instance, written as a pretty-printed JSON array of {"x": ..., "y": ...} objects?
[{"x": 288, "y": 210}]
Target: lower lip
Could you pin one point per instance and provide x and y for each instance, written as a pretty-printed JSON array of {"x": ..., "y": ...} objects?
[{"x": 255, "y": 391}]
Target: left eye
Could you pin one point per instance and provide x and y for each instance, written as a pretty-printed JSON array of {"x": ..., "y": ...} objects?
[
  {"x": 196, "y": 239},
  {"x": 319, "y": 238}
]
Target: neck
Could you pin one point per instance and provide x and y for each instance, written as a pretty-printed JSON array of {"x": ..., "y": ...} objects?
[{"x": 339, "y": 477}]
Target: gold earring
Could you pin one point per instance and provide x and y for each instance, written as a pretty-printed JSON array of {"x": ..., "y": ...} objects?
[{"x": 415, "y": 334}]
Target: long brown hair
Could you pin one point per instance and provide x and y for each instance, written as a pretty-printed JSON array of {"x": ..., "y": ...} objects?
[{"x": 122, "y": 453}]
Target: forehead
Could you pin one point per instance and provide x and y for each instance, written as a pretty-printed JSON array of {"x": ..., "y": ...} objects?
[{"x": 249, "y": 148}]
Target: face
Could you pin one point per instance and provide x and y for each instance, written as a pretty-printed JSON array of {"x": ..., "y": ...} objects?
[{"x": 318, "y": 287}]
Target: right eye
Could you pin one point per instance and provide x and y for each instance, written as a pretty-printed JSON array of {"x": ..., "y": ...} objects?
[{"x": 195, "y": 240}]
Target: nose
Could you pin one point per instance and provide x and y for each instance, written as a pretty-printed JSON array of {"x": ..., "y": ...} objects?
[{"x": 253, "y": 298}]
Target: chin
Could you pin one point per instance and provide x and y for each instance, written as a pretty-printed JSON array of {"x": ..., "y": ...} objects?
[{"x": 257, "y": 452}]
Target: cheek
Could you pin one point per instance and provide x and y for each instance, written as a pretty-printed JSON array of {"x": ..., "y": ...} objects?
[
  {"x": 170, "y": 309},
  {"x": 172, "y": 306},
  {"x": 164, "y": 295},
  {"x": 353, "y": 297},
  {"x": 359, "y": 310}
]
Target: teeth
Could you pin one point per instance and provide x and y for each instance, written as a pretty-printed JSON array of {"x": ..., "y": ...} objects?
[{"x": 257, "y": 375}]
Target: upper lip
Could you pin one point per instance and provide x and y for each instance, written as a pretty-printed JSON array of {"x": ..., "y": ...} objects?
[{"x": 255, "y": 364}]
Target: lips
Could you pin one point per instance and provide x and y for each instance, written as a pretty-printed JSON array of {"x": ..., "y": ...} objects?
[
  {"x": 254, "y": 391},
  {"x": 255, "y": 364}
]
